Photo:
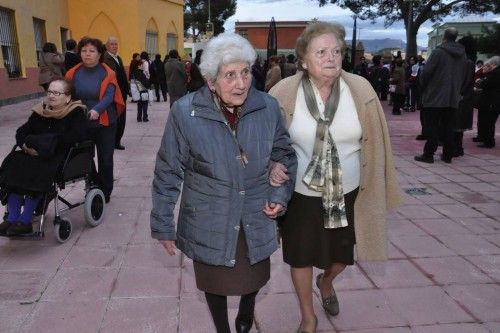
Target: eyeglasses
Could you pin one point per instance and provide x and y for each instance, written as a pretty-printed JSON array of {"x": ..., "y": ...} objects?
[
  {"x": 55, "y": 93},
  {"x": 324, "y": 53},
  {"x": 232, "y": 76}
]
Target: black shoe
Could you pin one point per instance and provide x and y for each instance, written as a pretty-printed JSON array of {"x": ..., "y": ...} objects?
[
  {"x": 445, "y": 159},
  {"x": 145, "y": 120},
  {"x": 18, "y": 229},
  {"x": 458, "y": 153},
  {"x": 486, "y": 145},
  {"x": 397, "y": 113},
  {"x": 4, "y": 227},
  {"x": 139, "y": 120},
  {"x": 420, "y": 137},
  {"x": 243, "y": 326},
  {"x": 424, "y": 158},
  {"x": 107, "y": 198},
  {"x": 120, "y": 147},
  {"x": 477, "y": 139}
]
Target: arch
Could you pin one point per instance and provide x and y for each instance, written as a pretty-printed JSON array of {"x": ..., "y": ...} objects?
[
  {"x": 102, "y": 26},
  {"x": 172, "y": 28},
  {"x": 152, "y": 26}
]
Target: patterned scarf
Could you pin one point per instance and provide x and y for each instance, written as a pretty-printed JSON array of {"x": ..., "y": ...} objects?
[{"x": 324, "y": 173}]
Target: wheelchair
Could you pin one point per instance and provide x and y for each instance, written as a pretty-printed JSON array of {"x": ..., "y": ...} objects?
[{"x": 78, "y": 165}]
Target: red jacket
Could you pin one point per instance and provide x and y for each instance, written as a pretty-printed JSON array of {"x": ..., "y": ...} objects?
[{"x": 109, "y": 79}]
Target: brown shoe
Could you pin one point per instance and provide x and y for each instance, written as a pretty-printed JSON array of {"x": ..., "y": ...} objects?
[{"x": 330, "y": 303}]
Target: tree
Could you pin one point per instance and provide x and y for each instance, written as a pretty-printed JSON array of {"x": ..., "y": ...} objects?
[
  {"x": 413, "y": 13},
  {"x": 196, "y": 15},
  {"x": 490, "y": 43}
]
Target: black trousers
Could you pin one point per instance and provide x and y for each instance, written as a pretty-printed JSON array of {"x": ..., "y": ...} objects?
[
  {"x": 439, "y": 124},
  {"x": 490, "y": 119},
  {"x": 104, "y": 139},
  {"x": 163, "y": 87},
  {"x": 120, "y": 125},
  {"x": 397, "y": 103}
]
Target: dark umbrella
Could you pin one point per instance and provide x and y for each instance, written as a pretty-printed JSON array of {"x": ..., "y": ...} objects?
[{"x": 272, "y": 41}]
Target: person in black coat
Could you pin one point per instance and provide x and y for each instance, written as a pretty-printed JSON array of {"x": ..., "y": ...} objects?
[
  {"x": 45, "y": 139},
  {"x": 71, "y": 56},
  {"x": 142, "y": 84},
  {"x": 158, "y": 69},
  {"x": 465, "y": 112},
  {"x": 490, "y": 86}
]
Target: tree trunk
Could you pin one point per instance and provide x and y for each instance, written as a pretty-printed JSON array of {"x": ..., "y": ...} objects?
[{"x": 411, "y": 41}]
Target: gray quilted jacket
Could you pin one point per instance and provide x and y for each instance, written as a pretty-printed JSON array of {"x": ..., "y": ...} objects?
[{"x": 219, "y": 194}]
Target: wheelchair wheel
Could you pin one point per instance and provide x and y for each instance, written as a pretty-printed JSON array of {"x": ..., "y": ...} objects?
[
  {"x": 94, "y": 207},
  {"x": 62, "y": 229}
]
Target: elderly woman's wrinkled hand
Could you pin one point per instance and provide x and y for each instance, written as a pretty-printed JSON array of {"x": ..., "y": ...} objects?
[
  {"x": 272, "y": 210},
  {"x": 29, "y": 151},
  {"x": 169, "y": 245},
  {"x": 277, "y": 174}
]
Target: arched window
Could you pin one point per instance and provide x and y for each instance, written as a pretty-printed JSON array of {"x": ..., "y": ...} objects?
[{"x": 152, "y": 37}]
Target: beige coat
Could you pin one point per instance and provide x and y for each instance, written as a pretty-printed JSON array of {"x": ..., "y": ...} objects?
[{"x": 378, "y": 188}]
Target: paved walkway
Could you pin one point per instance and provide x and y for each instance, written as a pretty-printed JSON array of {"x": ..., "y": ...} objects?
[{"x": 443, "y": 274}]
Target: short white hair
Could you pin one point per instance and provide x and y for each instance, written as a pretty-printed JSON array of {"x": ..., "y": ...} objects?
[{"x": 225, "y": 49}]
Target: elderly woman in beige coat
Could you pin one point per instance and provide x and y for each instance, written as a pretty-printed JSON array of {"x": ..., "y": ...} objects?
[{"x": 345, "y": 178}]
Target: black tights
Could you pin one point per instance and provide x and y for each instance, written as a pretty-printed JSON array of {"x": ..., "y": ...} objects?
[{"x": 218, "y": 308}]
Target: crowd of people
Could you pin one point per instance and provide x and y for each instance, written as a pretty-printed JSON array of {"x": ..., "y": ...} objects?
[{"x": 296, "y": 139}]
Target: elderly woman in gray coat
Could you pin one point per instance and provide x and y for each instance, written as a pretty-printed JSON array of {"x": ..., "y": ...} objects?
[{"x": 218, "y": 143}]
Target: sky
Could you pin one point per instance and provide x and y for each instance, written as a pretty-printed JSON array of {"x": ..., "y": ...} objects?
[{"x": 305, "y": 10}]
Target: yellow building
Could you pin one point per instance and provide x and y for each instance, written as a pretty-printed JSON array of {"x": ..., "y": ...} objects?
[{"x": 155, "y": 26}]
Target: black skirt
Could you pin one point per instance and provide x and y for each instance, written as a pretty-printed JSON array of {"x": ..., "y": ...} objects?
[
  {"x": 239, "y": 280},
  {"x": 306, "y": 242}
]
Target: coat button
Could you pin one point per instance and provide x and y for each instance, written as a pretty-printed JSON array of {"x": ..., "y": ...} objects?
[
  {"x": 237, "y": 227},
  {"x": 242, "y": 192},
  {"x": 233, "y": 261}
]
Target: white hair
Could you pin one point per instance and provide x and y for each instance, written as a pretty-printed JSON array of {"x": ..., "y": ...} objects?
[
  {"x": 493, "y": 61},
  {"x": 225, "y": 49}
]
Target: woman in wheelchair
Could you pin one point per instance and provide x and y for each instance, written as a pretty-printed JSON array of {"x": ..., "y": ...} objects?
[{"x": 53, "y": 127}]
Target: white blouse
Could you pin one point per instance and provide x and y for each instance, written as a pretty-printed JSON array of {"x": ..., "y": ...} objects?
[{"x": 345, "y": 130}]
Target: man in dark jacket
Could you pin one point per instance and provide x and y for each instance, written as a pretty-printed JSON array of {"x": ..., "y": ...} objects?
[
  {"x": 160, "y": 83},
  {"x": 71, "y": 56},
  {"x": 176, "y": 77},
  {"x": 442, "y": 83},
  {"x": 113, "y": 60}
]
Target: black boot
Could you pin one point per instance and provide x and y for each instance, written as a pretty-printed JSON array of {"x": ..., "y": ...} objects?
[
  {"x": 243, "y": 325},
  {"x": 4, "y": 226}
]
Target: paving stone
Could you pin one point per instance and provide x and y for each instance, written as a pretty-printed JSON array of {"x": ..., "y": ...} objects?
[
  {"x": 423, "y": 212},
  {"x": 395, "y": 274},
  {"x": 404, "y": 228},
  {"x": 488, "y": 263},
  {"x": 452, "y": 270},
  {"x": 23, "y": 286},
  {"x": 147, "y": 282},
  {"x": 64, "y": 316},
  {"x": 87, "y": 257},
  {"x": 457, "y": 210},
  {"x": 451, "y": 328},
  {"x": 443, "y": 226},
  {"x": 13, "y": 314},
  {"x": 155, "y": 314},
  {"x": 480, "y": 226},
  {"x": 150, "y": 255},
  {"x": 80, "y": 284},
  {"x": 425, "y": 305},
  {"x": 468, "y": 244},
  {"x": 421, "y": 246},
  {"x": 480, "y": 299}
]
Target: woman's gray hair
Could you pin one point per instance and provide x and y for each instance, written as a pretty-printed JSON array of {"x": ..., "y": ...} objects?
[
  {"x": 493, "y": 61},
  {"x": 225, "y": 49}
]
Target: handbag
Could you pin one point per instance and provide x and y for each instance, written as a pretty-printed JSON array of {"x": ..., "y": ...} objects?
[
  {"x": 151, "y": 94},
  {"x": 134, "y": 91}
]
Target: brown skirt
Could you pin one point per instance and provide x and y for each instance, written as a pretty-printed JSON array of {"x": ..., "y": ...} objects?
[
  {"x": 307, "y": 243},
  {"x": 239, "y": 280}
]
